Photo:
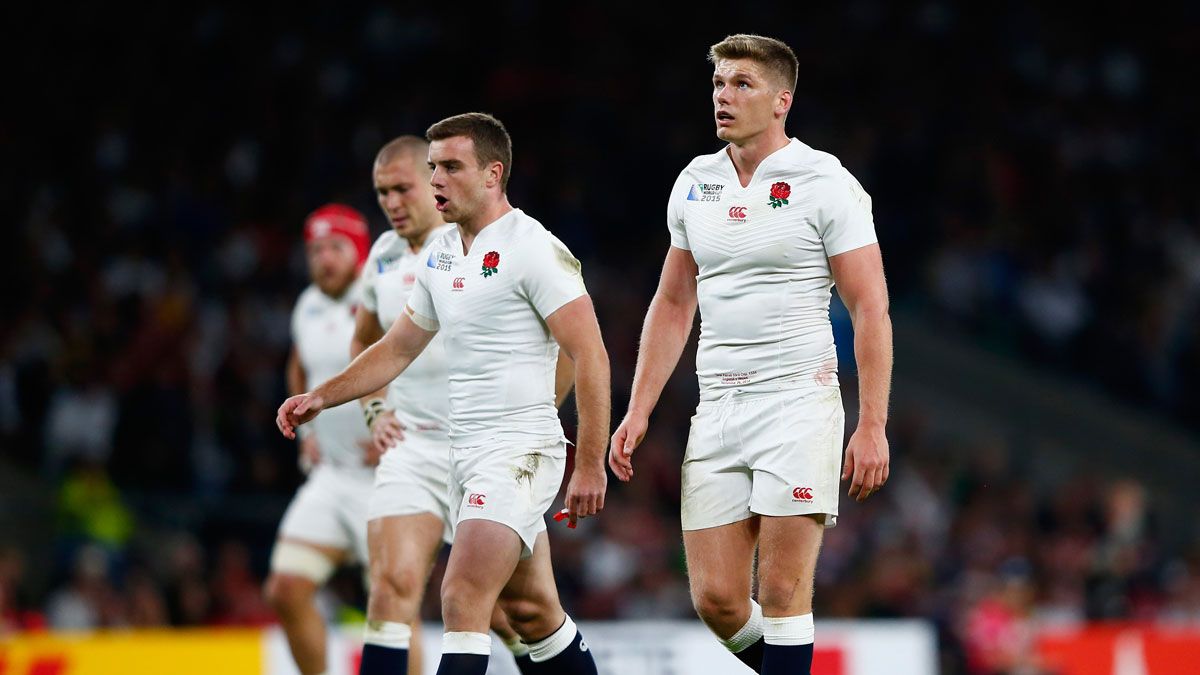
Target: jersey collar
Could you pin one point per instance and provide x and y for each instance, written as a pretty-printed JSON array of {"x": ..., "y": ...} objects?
[{"x": 760, "y": 169}]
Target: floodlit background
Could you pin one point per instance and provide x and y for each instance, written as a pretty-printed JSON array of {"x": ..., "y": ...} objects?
[{"x": 1034, "y": 174}]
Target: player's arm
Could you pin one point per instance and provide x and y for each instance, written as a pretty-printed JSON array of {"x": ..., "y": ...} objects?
[
  {"x": 664, "y": 334},
  {"x": 858, "y": 275},
  {"x": 297, "y": 383},
  {"x": 564, "y": 378},
  {"x": 370, "y": 371},
  {"x": 385, "y": 429},
  {"x": 294, "y": 374},
  {"x": 575, "y": 328}
]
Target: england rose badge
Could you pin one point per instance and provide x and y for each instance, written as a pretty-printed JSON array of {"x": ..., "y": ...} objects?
[
  {"x": 779, "y": 194},
  {"x": 491, "y": 264}
]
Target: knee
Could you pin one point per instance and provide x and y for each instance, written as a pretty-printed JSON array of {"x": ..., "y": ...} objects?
[
  {"x": 286, "y": 593},
  {"x": 531, "y": 618},
  {"x": 461, "y": 601},
  {"x": 718, "y": 605},
  {"x": 395, "y": 584},
  {"x": 784, "y": 596}
]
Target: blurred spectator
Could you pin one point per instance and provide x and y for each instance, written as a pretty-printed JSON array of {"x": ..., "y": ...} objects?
[
  {"x": 90, "y": 508},
  {"x": 237, "y": 591},
  {"x": 16, "y": 612},
  {"x": 89, "y": 600}
]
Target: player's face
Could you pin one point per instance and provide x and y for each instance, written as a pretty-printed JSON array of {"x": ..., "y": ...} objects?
[
  {"x": 459, "y": 183},
  {"x": 332, "y": 264},
  {"x": 403, "y": 190},
  {"x": 745, "y": 102}
]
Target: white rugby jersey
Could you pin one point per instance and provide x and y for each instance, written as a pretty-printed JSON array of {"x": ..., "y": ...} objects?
[
  {"x": 321, "y": 330},
  {"x": 763, "y": 256},
  {"x": 491, "y": 307},
  {"x": 420, "y": 395}
]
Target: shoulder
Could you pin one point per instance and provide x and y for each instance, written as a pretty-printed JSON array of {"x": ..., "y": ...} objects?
[
  {"x": 383, "y": 244},
  {"x": 441, "y": 234},
  {"x": 308, "y": 302},
  {"x": 445, "y": 239},
  {"x": 703, "y": 167},
  {"x": 354, "y": 294},
  {"x": 816, "y": 165},
  {"x": 533, "y": 242},
  {"x": 709, "y": 162},
  {"x": 309, "y": 296},
  {"x": 703, "y": 179},
  {"x": 527, "y": 233}
]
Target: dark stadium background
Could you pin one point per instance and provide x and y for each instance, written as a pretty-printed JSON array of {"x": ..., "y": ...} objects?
[{"x": 1034, "y": 171}]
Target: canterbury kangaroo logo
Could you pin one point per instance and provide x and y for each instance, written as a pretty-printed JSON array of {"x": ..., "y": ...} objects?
[
  {"x": 476, "y": 499},
  {"x": 458, "y": 283},
  {"x": 737, "y": 212},
  {"x": 802, "y": 494}
]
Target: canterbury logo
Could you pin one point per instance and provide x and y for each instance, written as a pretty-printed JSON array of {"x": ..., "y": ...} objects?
[
  {"x": 802, "y": 493},
  {"x": 476, "y": 499},
  {"x": 458, "y": 283},
  {"x": 737, "y": 212}
]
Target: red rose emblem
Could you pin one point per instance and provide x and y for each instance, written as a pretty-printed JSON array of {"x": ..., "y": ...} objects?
[
  {"x": 779, "y": 195},
  {"x": 491, "y": 263}
]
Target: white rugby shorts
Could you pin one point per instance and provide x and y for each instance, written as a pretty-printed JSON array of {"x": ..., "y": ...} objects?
[
  {"x": 509, "y": 483},
  {"x": 413, "y": 477},
  {"x": 330, "y": 509},
  {"x": 774, "y": 454}
]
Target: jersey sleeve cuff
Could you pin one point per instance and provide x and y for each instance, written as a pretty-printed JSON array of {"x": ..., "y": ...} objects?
[{"x": 423, "y": 322}]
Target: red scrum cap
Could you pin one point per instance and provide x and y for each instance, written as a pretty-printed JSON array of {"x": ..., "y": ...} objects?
[{"x": 339, "y": 220}]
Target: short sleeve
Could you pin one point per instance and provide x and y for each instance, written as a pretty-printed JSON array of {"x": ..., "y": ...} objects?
[
  {"x": 370, "y": 276},
  {"x": 420, "y": 300},
  {"x": 550, "y": 276},
  {"x": 844, "y": 214},
  {"x": 675, "y": 213}
]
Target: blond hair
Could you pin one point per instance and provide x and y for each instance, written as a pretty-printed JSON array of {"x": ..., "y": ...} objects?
[{"x": 778, "y": 58}]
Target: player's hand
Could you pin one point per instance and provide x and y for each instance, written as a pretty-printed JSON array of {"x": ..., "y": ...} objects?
[
  {"x": 585, "y": 492},
  {"x": 371, "y": 455},
  {"x": 296, "y": 411},
  {"x": 867, "y": 462},
  {"x": 310, "y": 454},
  {"x": 386, "y": 432},
  {"x": 628, "y": 436}
]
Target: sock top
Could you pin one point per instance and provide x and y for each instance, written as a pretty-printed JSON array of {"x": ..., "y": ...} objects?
[
  {"x": 789, "y": 630},
  {"x": 550, "y": 647},
  {"x": 465, "y": 642}
]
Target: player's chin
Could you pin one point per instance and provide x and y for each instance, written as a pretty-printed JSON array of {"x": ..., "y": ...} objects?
[{"x": 727, "y": 132}]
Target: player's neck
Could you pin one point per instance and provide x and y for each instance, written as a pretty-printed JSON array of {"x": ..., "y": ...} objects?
[
  {"x": 417, "y": 242},
  {"x": 470, "y": 227},
  {"x": 748, "y": 155},
  {"x": 337, "y": 294}
]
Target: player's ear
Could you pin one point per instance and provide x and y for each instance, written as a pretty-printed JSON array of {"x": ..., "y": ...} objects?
[
  {"x": 783, "y": 104},
  {"x": 495, "y": 172}
]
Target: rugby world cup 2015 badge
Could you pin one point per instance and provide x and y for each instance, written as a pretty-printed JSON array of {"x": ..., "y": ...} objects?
[
  {"x": 705, "y": 192},
  {"x": 440, "y": 261}
]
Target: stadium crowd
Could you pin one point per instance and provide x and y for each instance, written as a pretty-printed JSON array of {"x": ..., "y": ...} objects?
[{"x": 1033, "y": 188}]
